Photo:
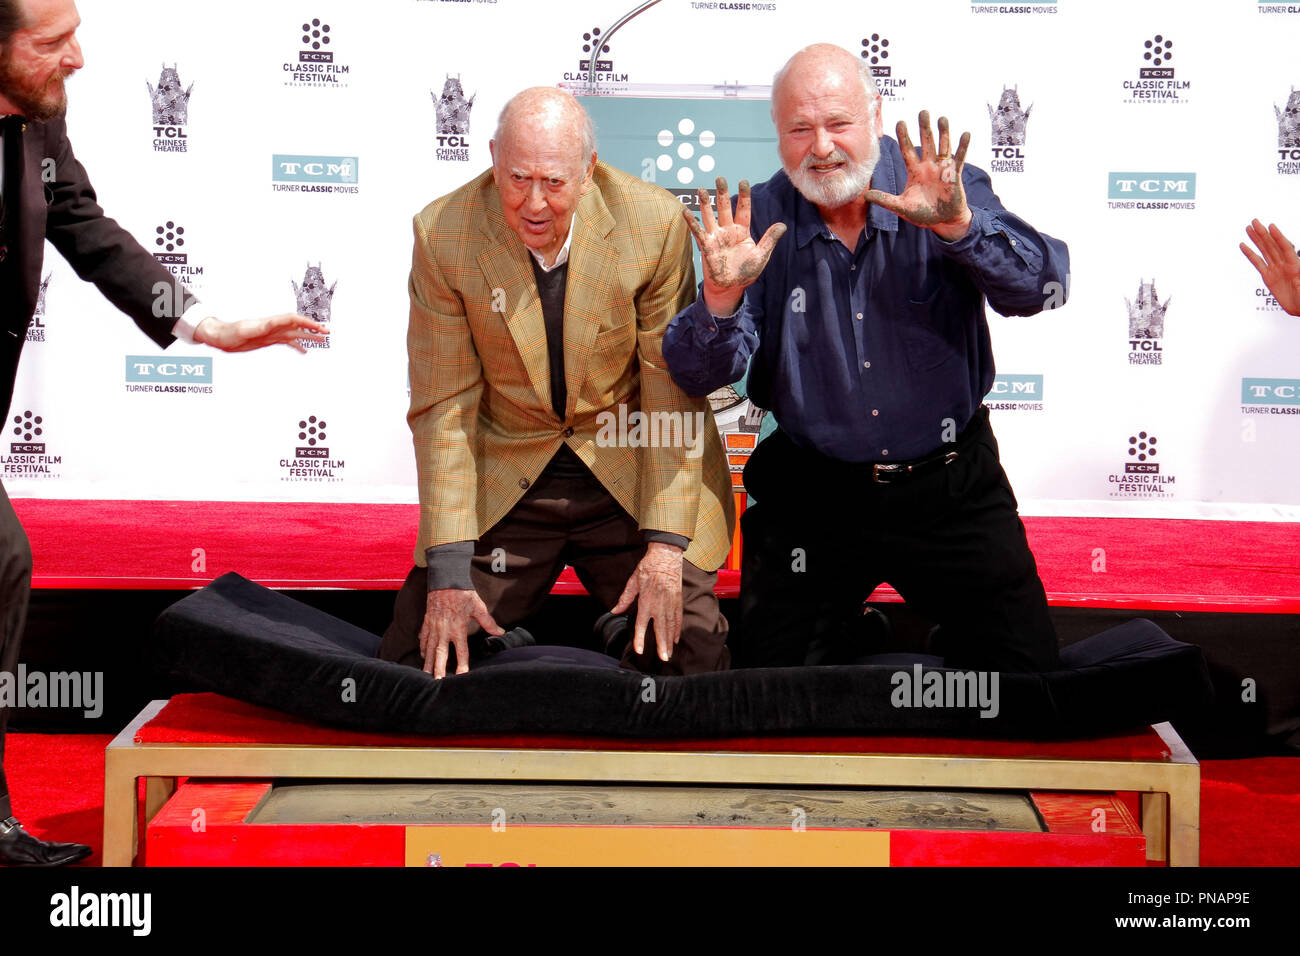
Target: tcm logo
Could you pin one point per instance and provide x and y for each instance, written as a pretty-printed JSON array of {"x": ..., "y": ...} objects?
[
  {"x": 1141, "y": 447},
  {"x": 151, "y": 368},
  {"x": 1141, "y": 185},
  {"x": 1026, "y": 387},
  {"x": 876, "y": 53},
  {"x": 314, "y": 169},
  {"x": 27, "y": 427},
  {"x": 312, "y": 431},
  {"x": 1270, "y": 391},
  {"x": 169, "y": 237},
  {"x": 875, "y": 50},
  {"x": 684, "y": 151},
  {"x": 315, "y": 39},
  {"x": 1156, "y": 52},
  {"x": 593, "y": 46}
]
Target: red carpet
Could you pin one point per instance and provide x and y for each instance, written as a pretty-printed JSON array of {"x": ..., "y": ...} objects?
[
  {"x": 1155, "y": 564},
  {"x": 1250, "y": 809},
  {"x": 150, "y": 544}
]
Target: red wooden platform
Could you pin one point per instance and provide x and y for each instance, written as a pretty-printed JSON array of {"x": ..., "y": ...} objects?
[
  {"x": 206, "y": 823},
  {"x": 206, "y": 736}
]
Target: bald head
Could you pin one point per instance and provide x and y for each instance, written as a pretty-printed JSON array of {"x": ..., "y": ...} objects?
[
  {"x": 824, "y": 63},
  {"x": 543, "y": 156},
  {"x": 550, "y": 113},
  {"x": 827, "y": 116}
]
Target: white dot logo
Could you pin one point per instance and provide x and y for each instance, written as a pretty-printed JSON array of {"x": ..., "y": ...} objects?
[{"x": 686, "y": 151}]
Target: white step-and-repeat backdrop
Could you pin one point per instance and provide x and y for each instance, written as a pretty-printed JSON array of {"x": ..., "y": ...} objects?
[{"x": 273, "y": 153}]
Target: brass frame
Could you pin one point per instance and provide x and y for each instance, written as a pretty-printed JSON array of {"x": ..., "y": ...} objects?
[{"x": 1170, "y": 788}]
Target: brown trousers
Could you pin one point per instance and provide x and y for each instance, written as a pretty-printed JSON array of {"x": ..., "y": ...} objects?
[{"x": 573, "y": 521}]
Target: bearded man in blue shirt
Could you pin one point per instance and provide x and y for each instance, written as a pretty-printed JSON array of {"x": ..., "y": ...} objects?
[{"x": 871, "y": 347}]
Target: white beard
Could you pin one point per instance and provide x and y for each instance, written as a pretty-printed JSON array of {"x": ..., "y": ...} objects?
[{"x": 841, "y": 189}]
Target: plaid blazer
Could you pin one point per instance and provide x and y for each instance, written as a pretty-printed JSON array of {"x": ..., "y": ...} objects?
[{"x": 481, "y": 412}]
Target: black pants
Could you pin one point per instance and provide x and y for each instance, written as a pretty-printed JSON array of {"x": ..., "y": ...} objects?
[
  {"x": 15, "y": 590},
  {"x": 823, "y": 535}
]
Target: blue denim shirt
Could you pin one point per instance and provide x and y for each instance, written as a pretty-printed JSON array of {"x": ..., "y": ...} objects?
[{"x": 880, "y": 354}]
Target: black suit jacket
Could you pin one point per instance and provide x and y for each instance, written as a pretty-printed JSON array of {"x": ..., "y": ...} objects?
[{"x": 47, "y": 194}]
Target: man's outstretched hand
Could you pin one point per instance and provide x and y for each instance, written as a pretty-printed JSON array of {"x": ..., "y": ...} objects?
[
  {"x": 1279, "y": 264},
  {"x": 288, "y": 329},
  {"x": 933, "y": 197},
  {"x": 732, "y": 259}
]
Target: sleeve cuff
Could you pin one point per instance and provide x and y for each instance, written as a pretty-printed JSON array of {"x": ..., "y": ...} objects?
[
  {"x": 706, "y": 323},
  {"x": 979, "y": 227},
  {"x": 449, "y": 565},
  {"x": 189, "y": 322},
  {"x": 722, "y": 318},
  {"x": 667, "y": 537}
]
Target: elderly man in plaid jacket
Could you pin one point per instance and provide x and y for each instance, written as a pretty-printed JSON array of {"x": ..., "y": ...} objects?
[{"x": 547, "y": 430}]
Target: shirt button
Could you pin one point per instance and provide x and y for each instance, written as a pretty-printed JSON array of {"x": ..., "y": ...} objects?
[
  {"x": 853, "y": 268},
  {"x": 884, "y": 451},
  {"x": 568, "y": 433},
  {"x": 875, "y": 411},
  {"x": 1013, "y": 242},
  {"x": 859, "y": 315},
  {"x": 866, "y": 365},
  {"x": 523, "y": 483}
]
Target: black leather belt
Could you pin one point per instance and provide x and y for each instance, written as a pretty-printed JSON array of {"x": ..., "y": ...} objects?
[
  {"x": 894, "y": 472},
  {"x": 903, "y": 470}
]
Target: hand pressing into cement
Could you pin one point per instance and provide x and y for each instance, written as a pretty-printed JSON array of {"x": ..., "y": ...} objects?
[
  {"x": 656, "y": 586},
  {"x": 447, "y": 614}
]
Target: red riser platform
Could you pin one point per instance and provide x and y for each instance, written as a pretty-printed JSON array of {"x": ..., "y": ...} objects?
[{"x": 203, "y": 824}]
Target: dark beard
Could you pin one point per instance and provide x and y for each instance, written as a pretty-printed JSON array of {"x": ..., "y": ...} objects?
[{"x": 35, "y": 105}]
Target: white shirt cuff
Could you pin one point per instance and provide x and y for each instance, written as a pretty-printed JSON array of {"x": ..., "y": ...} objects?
[{"x": 189, "y": 322}]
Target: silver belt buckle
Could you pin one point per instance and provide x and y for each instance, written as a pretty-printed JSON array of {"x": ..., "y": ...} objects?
[{"x": 877, "y": 470}]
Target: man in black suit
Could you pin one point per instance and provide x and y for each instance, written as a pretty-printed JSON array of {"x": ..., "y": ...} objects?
[{"x": 45, "y": 193}]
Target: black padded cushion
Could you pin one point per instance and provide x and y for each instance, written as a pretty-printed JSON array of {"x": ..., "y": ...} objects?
[{"x": 237, "y": 638}]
